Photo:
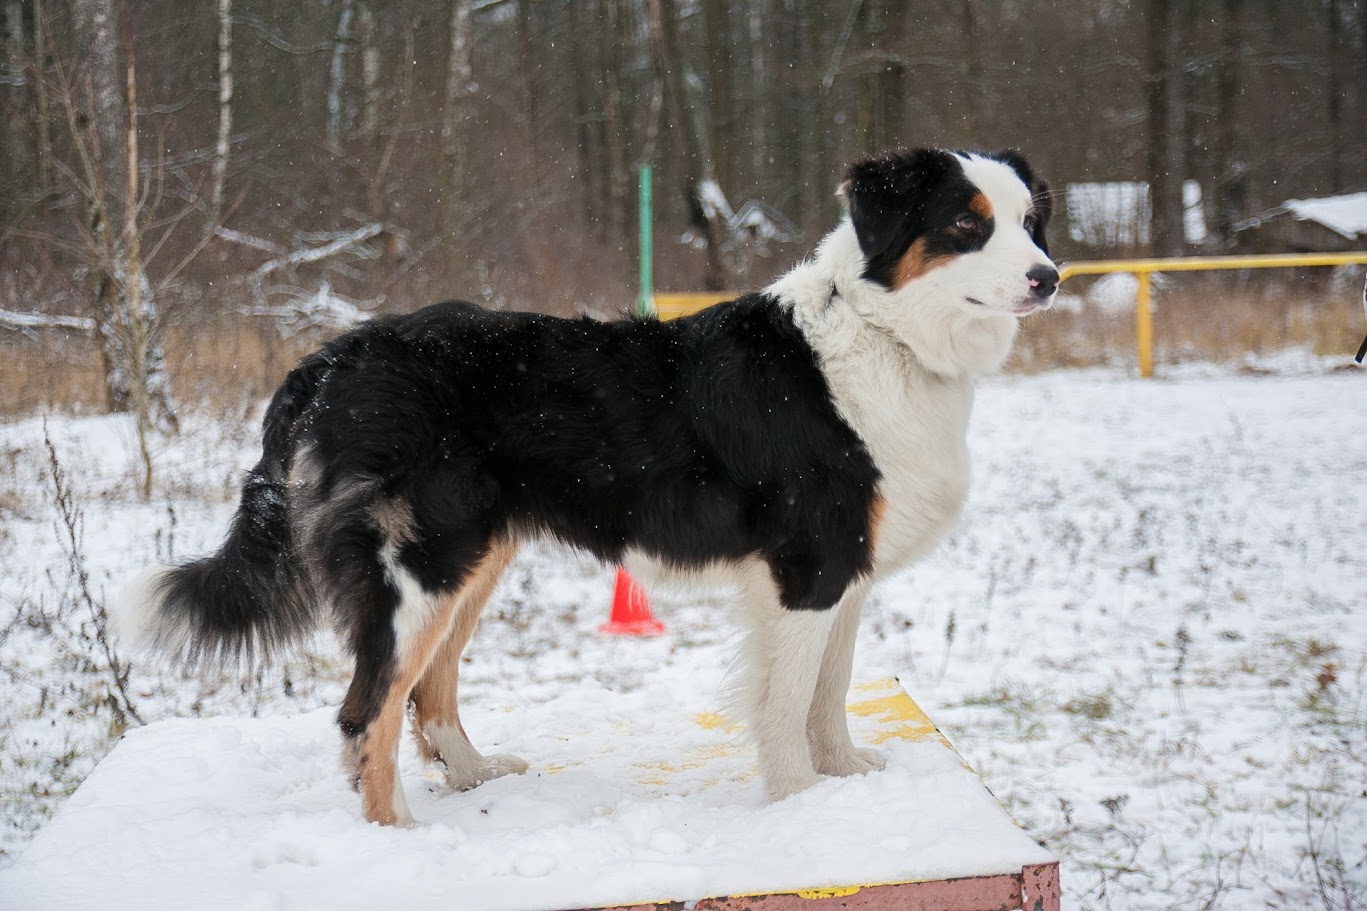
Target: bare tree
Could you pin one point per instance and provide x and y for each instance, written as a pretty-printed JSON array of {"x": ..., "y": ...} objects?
[
  {"x": 13, "y": 88},
  {"x": 1166, "y": 122},
  {"x": 108, "y": 180},
  {"x": 456, "y": 116},
  {"x": 701, "y": 189},
  {"x": 40, "y": 97},
  {"x": 1227, "y": 189},
  {"x": 759, "y": 139},
  {"x": 716, "y": 106}
]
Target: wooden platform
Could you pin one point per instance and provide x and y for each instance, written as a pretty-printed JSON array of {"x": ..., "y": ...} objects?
[{"x": 641, "y": 800}]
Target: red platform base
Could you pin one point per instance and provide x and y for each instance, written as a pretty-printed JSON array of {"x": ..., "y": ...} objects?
[{"x": 1034, "y": 888}]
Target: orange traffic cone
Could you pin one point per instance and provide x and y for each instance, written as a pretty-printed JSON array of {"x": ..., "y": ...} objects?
[{"x": 631, "y": 614}]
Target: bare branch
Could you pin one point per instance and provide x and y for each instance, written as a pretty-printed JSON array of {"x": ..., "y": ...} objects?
[
  {"x": 23, "y": 322},
  {"x": 314, "y": 254}
]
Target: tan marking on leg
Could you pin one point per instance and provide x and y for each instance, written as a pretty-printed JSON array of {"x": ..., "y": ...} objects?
[
  {"x": 379, "y": 743},
  {"x": 434, "y": 695},
  {"x": 916, "y": 263},
  {"x": 379, "y": 764}
]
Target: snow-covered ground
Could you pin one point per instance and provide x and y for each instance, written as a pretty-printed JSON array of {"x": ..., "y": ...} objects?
[{"x": 1148, "y": 635}]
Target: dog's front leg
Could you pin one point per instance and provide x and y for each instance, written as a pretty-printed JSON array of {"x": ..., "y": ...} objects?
[
  {"x": 782, "y": 666},
  {"x": 828, "y": 729}
]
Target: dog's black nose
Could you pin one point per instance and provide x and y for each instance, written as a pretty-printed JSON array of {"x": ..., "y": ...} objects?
[{"x": 1043, "y": 280}]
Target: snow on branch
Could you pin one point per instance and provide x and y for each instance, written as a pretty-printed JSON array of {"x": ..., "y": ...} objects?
[
  {"x": 323, "y": 309},
  {"x": 748, "y": 229},
  {"x": 313, "y": 254},
  {"x": 249, "y": 240},
  {"x": 27, "y": 322}
]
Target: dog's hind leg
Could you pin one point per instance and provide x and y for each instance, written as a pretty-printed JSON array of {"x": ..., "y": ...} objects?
[
  {"x": 369, "y": 719},
  {"x": 782, "y": 663},
  {"x": 828, "y": 729},
  {"x": 396, "y": 629},
  {"x": 436, "y": 714}
]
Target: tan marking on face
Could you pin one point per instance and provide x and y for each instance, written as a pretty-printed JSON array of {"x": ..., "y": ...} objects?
[
  {"x": 379, "y": 743},
  {"x": 916, "y": 263},
  {"x": 980, "y": 206}
]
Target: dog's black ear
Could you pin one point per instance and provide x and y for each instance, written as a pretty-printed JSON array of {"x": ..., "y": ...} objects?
[
  {"x": 886, "y": 196},
  {"x": 1039, "y": 193}
]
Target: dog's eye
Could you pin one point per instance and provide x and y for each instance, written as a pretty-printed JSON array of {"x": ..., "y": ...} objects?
[
  {"x": 967, "y": 223},
  {"x": 1031, "y": 222}
]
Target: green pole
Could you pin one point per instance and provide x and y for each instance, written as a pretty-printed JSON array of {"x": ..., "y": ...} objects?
[{"x": 645, "y": 304}]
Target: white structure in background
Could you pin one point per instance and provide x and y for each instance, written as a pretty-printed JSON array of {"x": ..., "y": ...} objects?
[
  {"x": 1326, "y": 223},
  {"x": 1345, "y": 215},
  {"x": 1115, "y": 216}
]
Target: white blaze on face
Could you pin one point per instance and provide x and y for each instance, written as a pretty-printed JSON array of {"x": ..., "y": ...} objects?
[{"x": 995, "y": 276}]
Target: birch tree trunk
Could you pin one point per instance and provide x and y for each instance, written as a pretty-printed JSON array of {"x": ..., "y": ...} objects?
[
  {"x": 370, "y": 74},
  {"x": 123, "y": 307},
  {"x": 225, "y": 108},
  {"x": 341, "y": 46}
]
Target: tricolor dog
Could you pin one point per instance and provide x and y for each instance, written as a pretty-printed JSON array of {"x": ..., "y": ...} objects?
[{"x": 802, "y": 442}]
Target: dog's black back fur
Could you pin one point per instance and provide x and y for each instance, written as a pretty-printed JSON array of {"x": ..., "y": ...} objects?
[
  {"x": 692, "y": 441},
  {"x": 710, "y": 438}
]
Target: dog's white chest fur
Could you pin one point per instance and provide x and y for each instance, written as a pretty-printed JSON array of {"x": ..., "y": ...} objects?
[
  {"x": 914, "y": 425},
  {"x": 905, "y": 385}
]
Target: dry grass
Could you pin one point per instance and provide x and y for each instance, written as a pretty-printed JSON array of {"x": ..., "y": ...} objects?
[
  {"x": 1198, "y": 320},
  {"x": 231, "y": 362},
  {"x": 226, "y": 363}
]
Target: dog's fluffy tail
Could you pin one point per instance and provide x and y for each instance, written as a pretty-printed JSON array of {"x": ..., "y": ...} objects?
[{"x": 251, "y": 598}]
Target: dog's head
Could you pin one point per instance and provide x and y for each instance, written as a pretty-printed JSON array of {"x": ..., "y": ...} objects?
[{"x": 964, "y": 230}]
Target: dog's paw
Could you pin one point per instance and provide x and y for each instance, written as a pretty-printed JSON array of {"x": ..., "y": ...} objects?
[
  {"x": 855, "y": 761},
  {"x": 487, "y": 769},
  {"x": 777, "y": 789},
  {"x": 500, "y": 764}
]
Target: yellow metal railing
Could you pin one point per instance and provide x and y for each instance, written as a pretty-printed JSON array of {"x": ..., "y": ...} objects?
[
  {"x": 670, "y": 306},
  {"x": 1143, "y": 269}
]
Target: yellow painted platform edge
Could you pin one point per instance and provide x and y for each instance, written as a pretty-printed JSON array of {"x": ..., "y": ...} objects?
[{"x": 898, "y": 703}]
